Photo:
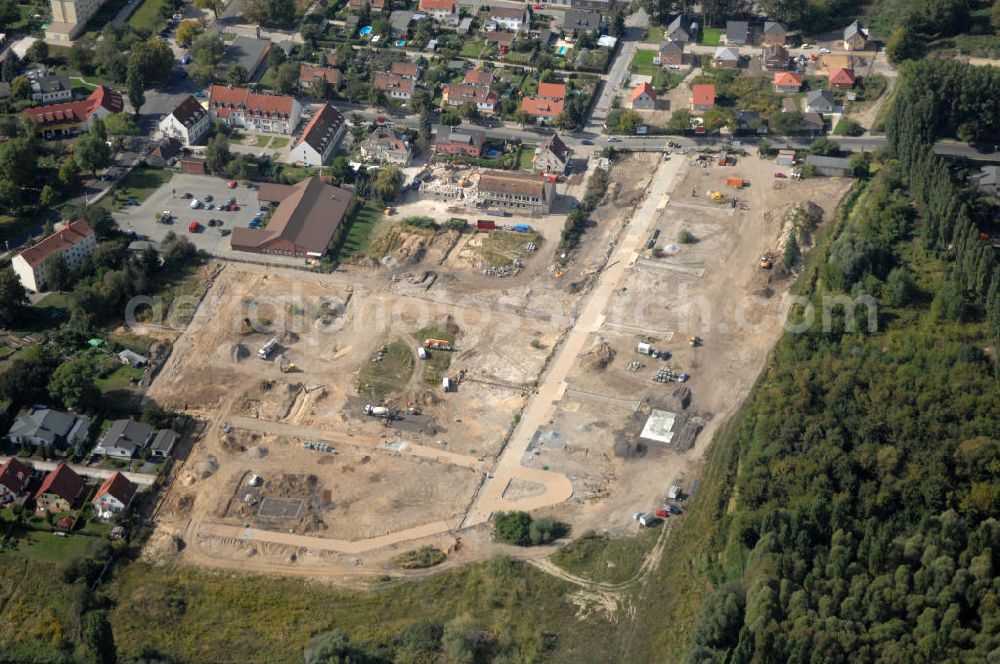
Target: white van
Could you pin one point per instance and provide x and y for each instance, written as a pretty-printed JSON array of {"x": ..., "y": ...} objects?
[{"x": 195, "y": 204}]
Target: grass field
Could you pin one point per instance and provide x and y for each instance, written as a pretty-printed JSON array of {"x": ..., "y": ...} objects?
[
  {"x": 437, "y": 362},
  {"x": 147, "y": 16},
  {"x": 500, "y": 249},
  {"x": 597, "y": 558},
  {"x": 119, "y": 379},
  {"x": 711, "y": 36},
  {"x": 139, "y": 184},
  {"x": 359, "y": 230},
  {"x": 526, "y": 157},
  {"x": 474, "y": 48},
  {"x": 377, "y": 380},
  {"x": 654, "y": 34},
  {"x": 279, "y": 142}
]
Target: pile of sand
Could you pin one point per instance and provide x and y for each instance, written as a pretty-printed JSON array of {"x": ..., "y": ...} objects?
[
  {"x": 238, "y": 352},
  {"x": 206, "y": 467},
  {"x": 598, "y": 356},
  {"x": 257, "y": 452},
  {"x": 411, "y": 250}
]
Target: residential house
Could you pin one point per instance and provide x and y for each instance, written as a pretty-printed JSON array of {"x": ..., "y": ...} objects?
[
  {"x": 445, "y": 11},
  {"x": 14, "y": 478},
  {"x": 479, "y": 77},
  {"x": 503, "y": 40},
  {"x": 406, "y": 69},
  {"x": 399, "y": 21},
  {"x": 727, "y": 56},
  {"x": 552, "y": 156},
  {"x": 132, "y": 359},
  {"x": 671, "y": 53},
  {"x": 987, "y": 180},
  {"x": 320, "y": 137},
  {"x": 307, "y": 216},
  {"x": 59, "y": 490},
  {"x": 124, "y": 439},
  {"x": 787, "y": 82},
  {"x": 812, "y": 122},
  {"x": 68, "y": 118},
  {"x": 820, "y": 101},
  {"x": 247, "y": 52},
  {"x": 751, "y": 121},
  {"x": 74, "y": 241},
  {"x": 643, "y": 97},
  {"x": 855, "y": 37},
  {"x": 481, "y": 96},
  {"x": 576, "y": 22},
  {"x": 395, "y": 86},
  {"x": 163, "y": 444},
  {"x": 188, "y": 123},
  {"x": 514, "y": 18},
  {"x": 253, "y": 111},
  {"x": 775, "y": 57},
  {"x": 552, "y": 91},
  {"x": 737, "y": 33},
  {"x": 42, "y": 426},
  {"x": 841, "y": 79},
  {"x": 165, "y": 153},
  {"x": 543, "y": 110},
  {"x": 774, "y": 34},
  {"x": 374, "y": 5},
  {"x": 680, "y": 30},
  {"x": 462, "y": 141},
  {"x": 385, "y": 146},
  {"x": 309, "y": 74},
  {"x": 832, "y": 166},
  {"x": 51, "y": 89},
  {"x": 114, "y": 496},
  {"x": 702, "y": 96},
  {"x": 519, "y": 192}
]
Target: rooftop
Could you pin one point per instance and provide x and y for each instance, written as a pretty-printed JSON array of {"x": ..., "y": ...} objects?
[
  {"x": 322, "y": 128},
  {"x": 512, "y": 183},
  {"x": 73, "y": 233}
]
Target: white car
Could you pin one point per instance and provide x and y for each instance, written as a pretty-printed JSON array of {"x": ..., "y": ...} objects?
[
  {"x": 824, "y": 50},
  {"x": 195, "y": 204},
  {"x": 614, "y": 139},
  {"x": 807, "y": 46}
]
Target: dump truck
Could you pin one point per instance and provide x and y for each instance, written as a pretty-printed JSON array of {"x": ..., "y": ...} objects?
[
  {"x": 765, "y": 263},
  {"x": 694, "y": 341},
  {"x": 735, "y": 182},
  {"x": 268, "y": 348},
  {"x": 437, "y": 344}
]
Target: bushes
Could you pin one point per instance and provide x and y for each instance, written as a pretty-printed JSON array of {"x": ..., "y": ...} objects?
[
  {"x": 686, "y": 237},
  {"x": 425, "y": 556},
  {"x": 521, "y": 529}
]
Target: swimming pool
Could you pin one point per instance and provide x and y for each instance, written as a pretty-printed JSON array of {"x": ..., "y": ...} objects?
[
  {"x": 365, "y": 31},
  {"x": 400, "y": 43},
  {"x": 562, "y": 50}
]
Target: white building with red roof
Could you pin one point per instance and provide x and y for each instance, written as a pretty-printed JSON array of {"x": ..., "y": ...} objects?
[
  {"x": 442, "y": 10},
  {"x": 114, "y": 496},
  {"x": 14, "y": 478},
  {"x": 320, "y": 137},
  {"x": 253, "y": 111},
  {"x": 56, "y": 120},
  {"x": 75, "y": 241}
]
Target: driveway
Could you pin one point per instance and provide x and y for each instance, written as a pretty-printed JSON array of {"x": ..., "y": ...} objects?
[{"x": 142, "y": 218}]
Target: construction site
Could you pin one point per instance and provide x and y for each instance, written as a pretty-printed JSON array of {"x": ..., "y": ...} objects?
[{"x": 348, "y": 417}]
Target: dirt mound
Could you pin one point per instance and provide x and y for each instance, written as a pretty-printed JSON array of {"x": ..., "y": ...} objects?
[
  {"x": 425, "y": 399},
  {"x": 231, "y": 445},
  {"x": 257, "y": 452},
  {"x": 239, "y": 352},
  {"x": 411, "y": 250},
  {"x": 599, "y": 356},
  {"x": 288, "y": 338},
  {"x": 206, "y": 467}
]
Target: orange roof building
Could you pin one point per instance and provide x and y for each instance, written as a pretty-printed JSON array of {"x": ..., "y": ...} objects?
[
  {"x": 644, "y": 97},
  {"x": 702, "y": 96},
  {"x": 544, "y": 110},
  {"x": 841, "y": 78},
  {"x": 253, "y": 111},
  {"x": 75, "y": 241},
  {"x": 309, "y": 73},
  {"x": 553, "y": 91},
  {"x": 787, "y": 81},
  {"x": 56, "y": 120}
]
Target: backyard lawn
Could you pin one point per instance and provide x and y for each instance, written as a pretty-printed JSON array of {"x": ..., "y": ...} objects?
[
  {"x": 119, "y": 379},
  {"x": 642, "y": 63},
  {"x": 279, "y": 142},
  {"x": 711, "y": 36},
  {"x": 526, "y": 157},
  {"x": 147, "y": 16},
  {"x": 359, "y": 230}
]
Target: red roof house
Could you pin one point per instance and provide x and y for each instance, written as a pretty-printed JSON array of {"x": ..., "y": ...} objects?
[
  {"x": 14, "y": 477},
  {"x": 544, "y": 110},
  {"x": 644, "y": 97},
  {"x": 841, "y": 78},
  {"x": 702, "y": 96},
  {"x": 114, "y": 496},
  {"x": 59, "y": 490},
  {"x": 553, "y": 91},
  {"x": 787, "y": 81},
  {"x": 72, "y": 116}
]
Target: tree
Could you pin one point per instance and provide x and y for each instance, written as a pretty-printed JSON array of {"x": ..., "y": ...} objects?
[
  {"x": 99, "y": 638},
  {"x": 27, "y": 379},
  {"x": 629, "y": 121},
  {"x": 152, "y": 60},
  {"x": 56, "y": 272},
  {"x": 109, "y": 255},
  {"x": 512, "y": 527},
  {"x": 100, "y": 221},
  {"x": 377, "y": 98},
  {"x": 786, "y": 123},
  {"x": 39, "y": 51},
  {"x": 238, "y": 75},
  {"x": 136, "y": 88},
  {"x": 286, "y": 80},
  {"x": 463, "y": 640},
  {"x": 214, "y": 6},
  {"x": 388, "y": 183},
  {"x": 92, "y": 153},
  {"x": 18, "y": 161},
  {"x": 217, "y": 154},
  {"x": 11, "y": 65},
  {"x": 717, "y": 118},
  {"x": 336, "y": 648},
  {"x": 995, "y": 16},
  {"x": 73, "y": 383},
  {"x": 848, "y": 127},
  {"x": 792, "y": 254},
  {"x": 900, "y": 287},
  {"x": 420, "y": 101},
  {"x": 188, "y": 30},
  {"x": 825, "y": 147},
  {"x": 207, "y": 49},
  {"x": 618, "y": 24},
  {"x": 905, "y": 44},
  {"x": 9, "y": 14},
  {"x": 47, "y": 197},
  {"x": 120, "y": 124},
  {"x": 270, "y": 13},
  {"x": 13, "y": 297},
  {"x": 81, "y": 58},
  {"x": 20, "y": 88}
]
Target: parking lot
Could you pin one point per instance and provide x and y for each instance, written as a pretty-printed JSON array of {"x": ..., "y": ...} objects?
[{"x": 170, "y": 197}]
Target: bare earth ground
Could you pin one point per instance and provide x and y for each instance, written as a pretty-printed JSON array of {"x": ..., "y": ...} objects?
[{"x": 382, "y": 490}]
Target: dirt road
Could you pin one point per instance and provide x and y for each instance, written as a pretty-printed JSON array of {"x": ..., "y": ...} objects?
[{"x": 541, "y": 408}]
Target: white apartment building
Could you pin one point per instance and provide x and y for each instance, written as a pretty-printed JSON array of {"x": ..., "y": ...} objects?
[{"x": 75, "y": 241}]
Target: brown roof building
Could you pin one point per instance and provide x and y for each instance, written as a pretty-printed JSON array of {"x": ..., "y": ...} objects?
[
  {"x": 517, "y": 191},
  {"x": 478, "y": 77},
  {"x": 239, "y": 107},
  {"x": 308, "y": 215},
  {"x": 309, "y": 73},
  {"x": 395, "y": 86},
  {"x": 14, "y": 478},
  {"x": 320, "y": 137},
  {"x": 59, "y": 490},
  {"x": 405, "y": 69}
]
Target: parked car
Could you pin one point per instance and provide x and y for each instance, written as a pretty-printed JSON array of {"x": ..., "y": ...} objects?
[
  {"x": 780, "y": 175},
  {"x": 824, "y": 50},
  {"x": 614, "y": 139},
  {"x": 232, "y": 184},
  {"x": 586, "y": 141},
  {"x": 186, "y": 194},
  {"x": 209, "y": 198},
  {"x": 224, "y": 232},
  {"x": 186, "y": 59}
]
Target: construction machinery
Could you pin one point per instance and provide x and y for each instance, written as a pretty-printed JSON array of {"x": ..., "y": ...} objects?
[
  {"x": 284, "y": 366},
  {"x": 765, "y": 263},
  {"x": 715, "y": 195},
  {"x": 694, "y": 342},
  {"x": 437, "y": 344},
  {"x": 267, "y": 348}
]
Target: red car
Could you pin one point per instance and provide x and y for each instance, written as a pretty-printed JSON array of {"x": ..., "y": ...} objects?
[
  {"x": 780, "y": 175},
  {"x": 194, "y": 227},
  {"x": 232, "y": 184}
]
